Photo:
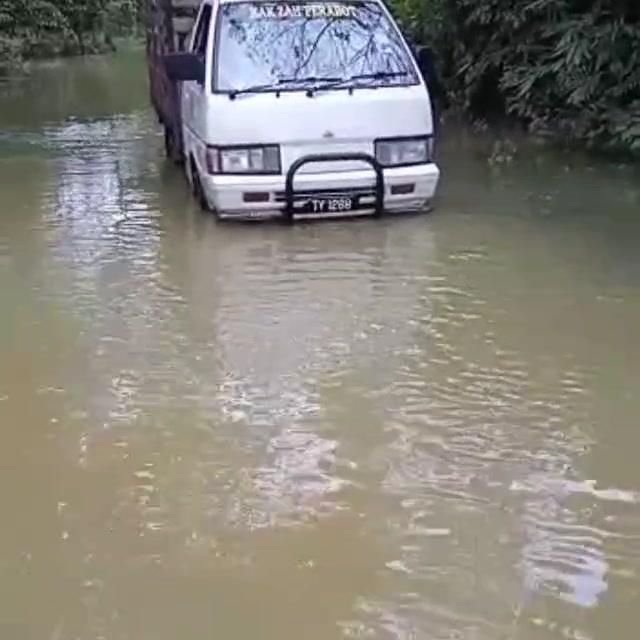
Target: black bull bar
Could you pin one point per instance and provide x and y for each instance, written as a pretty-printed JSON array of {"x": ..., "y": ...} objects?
[{"x": 290, "y": 195}]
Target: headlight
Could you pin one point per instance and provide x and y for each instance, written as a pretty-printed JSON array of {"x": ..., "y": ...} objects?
[
  {"x": 244, "y": 160},
  {"x": 404, "y": 151}
]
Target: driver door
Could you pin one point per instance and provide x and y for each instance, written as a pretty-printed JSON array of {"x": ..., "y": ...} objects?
[{"x": 195, "y": 93}]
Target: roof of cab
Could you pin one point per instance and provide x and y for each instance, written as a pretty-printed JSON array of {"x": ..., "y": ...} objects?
[
  {"x": 290, "y": 1},
  {"x": 268, "y": 1}
]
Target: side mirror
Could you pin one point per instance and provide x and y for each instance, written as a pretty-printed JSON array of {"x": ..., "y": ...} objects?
[{"x": 185, "y": 67}]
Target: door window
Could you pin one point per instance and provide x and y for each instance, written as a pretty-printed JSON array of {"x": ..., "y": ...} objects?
[{"x": 201, "y": 37}]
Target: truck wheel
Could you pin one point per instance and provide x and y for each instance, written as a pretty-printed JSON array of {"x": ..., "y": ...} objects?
[{"x": 197, "y": 189}]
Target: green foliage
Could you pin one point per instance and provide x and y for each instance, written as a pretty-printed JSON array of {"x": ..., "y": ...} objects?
[
  {"x": 569, "y": 68},
  {"x": 36, "y": 28},
  {"x": 10, "y": 54}
]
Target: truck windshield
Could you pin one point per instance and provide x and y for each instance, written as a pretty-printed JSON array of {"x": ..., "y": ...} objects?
[{"x": 266, "y": 46}]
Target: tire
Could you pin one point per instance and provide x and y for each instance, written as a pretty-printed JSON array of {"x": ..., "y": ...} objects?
[{"x": 196, "y": 188}]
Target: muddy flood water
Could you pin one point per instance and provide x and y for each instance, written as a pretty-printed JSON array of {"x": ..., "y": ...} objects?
[{"x": 410, "y": 428}]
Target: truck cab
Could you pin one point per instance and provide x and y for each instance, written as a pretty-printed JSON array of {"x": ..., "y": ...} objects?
[{"x": 303, "y": 109}]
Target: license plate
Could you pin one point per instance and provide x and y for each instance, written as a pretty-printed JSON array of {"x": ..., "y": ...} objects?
[{"x": 330, "y": 205}]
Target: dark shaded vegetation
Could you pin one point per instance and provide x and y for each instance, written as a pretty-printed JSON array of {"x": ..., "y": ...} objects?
[
  {"x": 565, "y": 68},
  {"x": 45, "y": 28},
  {"x": 569, "y": 69}
]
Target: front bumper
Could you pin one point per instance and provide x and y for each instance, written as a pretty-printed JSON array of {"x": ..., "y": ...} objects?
[{"x": 404, "y": 189}]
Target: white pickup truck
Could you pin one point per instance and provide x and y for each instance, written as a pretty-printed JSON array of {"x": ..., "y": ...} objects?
[{"x": 293, "y": 109}]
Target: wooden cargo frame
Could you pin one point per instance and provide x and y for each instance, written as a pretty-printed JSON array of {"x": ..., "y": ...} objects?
[{"x": 168, "y": 26}]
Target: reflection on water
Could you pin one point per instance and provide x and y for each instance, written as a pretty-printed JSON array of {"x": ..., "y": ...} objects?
[{"x": 418, "y": 427}]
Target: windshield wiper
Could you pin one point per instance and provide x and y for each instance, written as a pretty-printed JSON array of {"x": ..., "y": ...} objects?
[
  {"x": 305, "y": 79},
  {"x": 380, "y": 75},
  {"x": 256, "y": 88},
  {"x": 311, "y": 80},
  {"x": 319, "y": 83},
  {"x": 277, "y": 86}
]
